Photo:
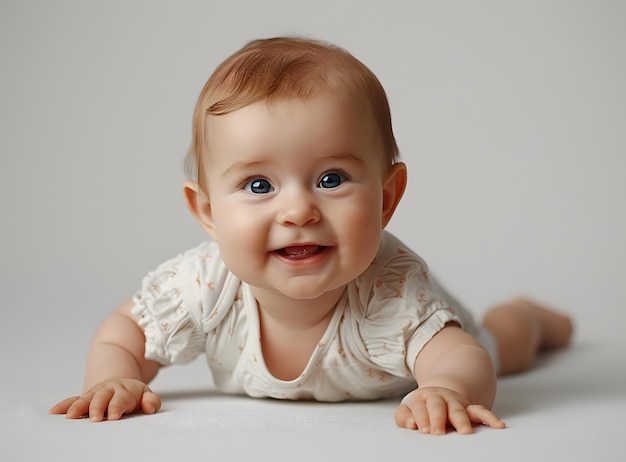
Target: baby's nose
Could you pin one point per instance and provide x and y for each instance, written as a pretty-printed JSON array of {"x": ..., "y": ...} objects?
[{"x": 298, "y": 210}]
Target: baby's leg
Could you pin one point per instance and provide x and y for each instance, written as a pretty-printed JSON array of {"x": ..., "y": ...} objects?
[{"x": 521, "y": 329}]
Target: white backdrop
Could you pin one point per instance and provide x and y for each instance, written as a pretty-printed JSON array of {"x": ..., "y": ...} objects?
[{"x": 510, "y": 115}]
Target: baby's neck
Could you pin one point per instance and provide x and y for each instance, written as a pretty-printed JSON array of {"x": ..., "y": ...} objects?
[
  {"x": 291, "y": 329},
  {"x": 295, "y": 314}
]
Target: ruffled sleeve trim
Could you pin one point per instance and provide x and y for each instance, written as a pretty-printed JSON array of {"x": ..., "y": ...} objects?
[
  {"x": 425, "y": 333},
  {"x": 402, "y": 310},
  {"x": 170, "y": 307}
]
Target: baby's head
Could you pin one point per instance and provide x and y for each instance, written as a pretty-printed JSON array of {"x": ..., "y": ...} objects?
[
  {"x": 296, "y": 164},
  {"x": 289, "y": 68}
]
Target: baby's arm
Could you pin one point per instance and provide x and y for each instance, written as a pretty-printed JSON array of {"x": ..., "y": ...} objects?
[
  {"x": 457, "y": 386},
  {"x": 116, "y": 373}
]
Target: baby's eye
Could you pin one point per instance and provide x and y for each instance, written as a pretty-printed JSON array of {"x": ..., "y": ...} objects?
[
  {"x": 259, "y": 186},
  {"x": 331, "y": 180}
]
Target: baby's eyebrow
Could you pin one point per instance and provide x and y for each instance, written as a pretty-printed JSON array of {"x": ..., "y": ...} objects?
[
  {"x": 255, "y": 164},
  {"x": 242, "y": 164},
  {"x": 346, "y": 156}
]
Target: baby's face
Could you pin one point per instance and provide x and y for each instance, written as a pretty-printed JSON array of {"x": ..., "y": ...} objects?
[{"x": 296, "y": 194}]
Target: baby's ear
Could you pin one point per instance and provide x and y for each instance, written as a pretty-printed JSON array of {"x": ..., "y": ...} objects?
[
  {"x": 393, "y": 189},
  {"x": 200, "y": 207}
]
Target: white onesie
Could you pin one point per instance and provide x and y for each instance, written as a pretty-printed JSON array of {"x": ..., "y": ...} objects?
[{"x": 193, "y": 304}]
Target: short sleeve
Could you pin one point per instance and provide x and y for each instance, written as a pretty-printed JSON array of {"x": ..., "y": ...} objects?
[
  {"x": 403, "y": 309},
  {"x": 179, "y": 303},
  {"x": 171, "y": 335}
]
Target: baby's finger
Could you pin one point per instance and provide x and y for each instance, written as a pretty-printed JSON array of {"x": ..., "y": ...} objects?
[
  {"x": 99, "y": 404},
  {"x": 62, "y": 406},
  {"x": 421, "y": 417},
  {"x": 459, "y": 419},
  {"x": 150, "y": 403},
  {"x": 437, "y": 415},
  {"x": 404, "y": 418},
  {"x": 79, "y": 408},
  {"x": 480, "y": 414},
  {"x": 122, "y": 402}
]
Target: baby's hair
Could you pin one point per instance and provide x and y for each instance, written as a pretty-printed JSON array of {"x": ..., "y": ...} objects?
[{"x": 287, "y": 67}]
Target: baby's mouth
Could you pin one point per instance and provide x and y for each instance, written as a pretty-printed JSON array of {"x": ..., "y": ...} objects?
[{"x": 299, "y": 252}]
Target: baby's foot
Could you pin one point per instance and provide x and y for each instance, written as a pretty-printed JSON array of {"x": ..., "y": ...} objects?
[{"x": 556, "y": 328}]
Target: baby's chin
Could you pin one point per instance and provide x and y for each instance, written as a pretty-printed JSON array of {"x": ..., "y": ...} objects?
[{"x": 303, "y": 292}]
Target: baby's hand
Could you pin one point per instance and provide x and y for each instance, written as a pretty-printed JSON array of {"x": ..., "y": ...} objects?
[
  {"x": 431, "y": 409},
  {"x": 112, "y": 398}
]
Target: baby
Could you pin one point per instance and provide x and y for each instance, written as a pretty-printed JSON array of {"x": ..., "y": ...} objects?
[{"x": 300, "y": 293}]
